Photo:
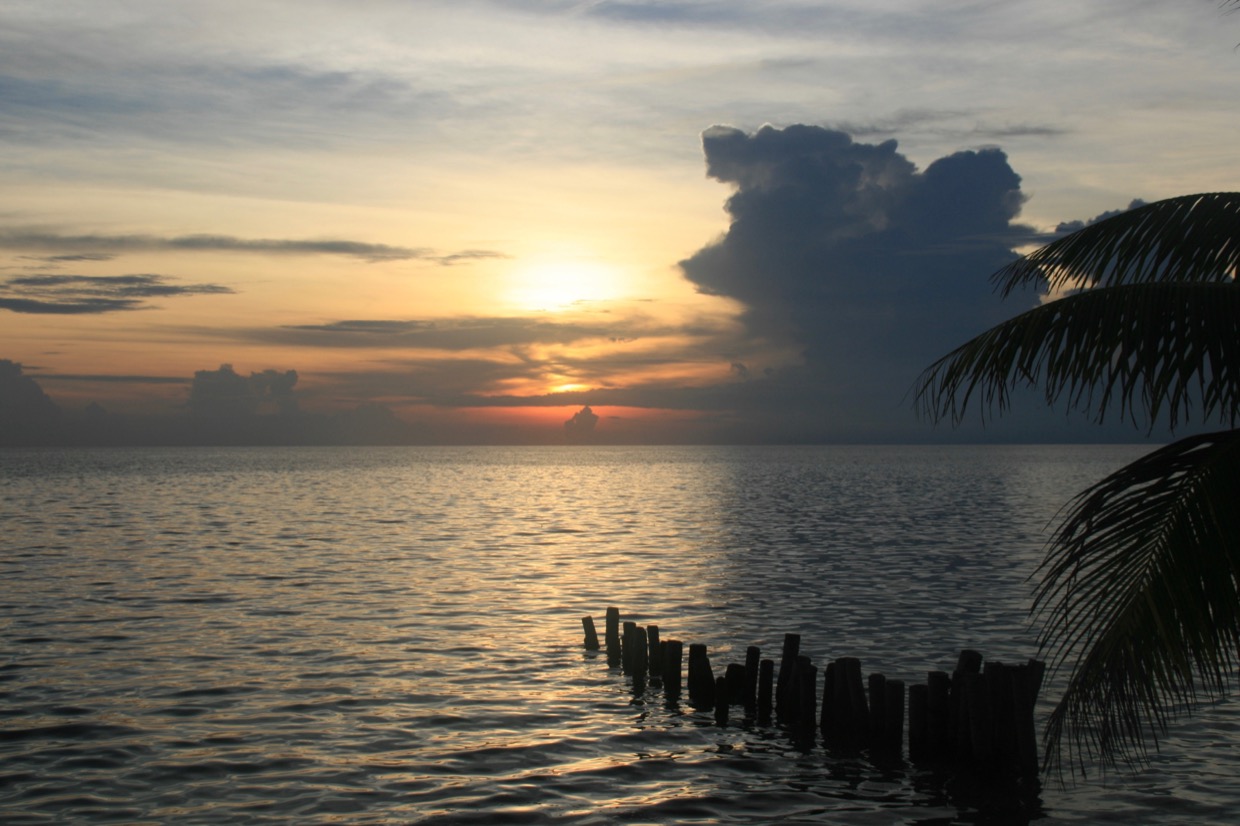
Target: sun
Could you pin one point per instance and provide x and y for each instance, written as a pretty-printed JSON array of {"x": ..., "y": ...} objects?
[{"x": 555, "y": 285}]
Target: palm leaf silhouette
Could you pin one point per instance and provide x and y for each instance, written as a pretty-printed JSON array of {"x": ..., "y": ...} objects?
[{"x": 1139, "y": 593}]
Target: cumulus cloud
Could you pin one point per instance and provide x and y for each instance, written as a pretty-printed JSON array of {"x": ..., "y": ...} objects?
[
  {"x": 27, "y": 415},
  {"x": 92, "y": 294},
  {"x": 869, "y": 265},
  {"x": 1066, "y": 227},
  {"x": 581, "y": 424},
  {"x": 224, "y": 393}
]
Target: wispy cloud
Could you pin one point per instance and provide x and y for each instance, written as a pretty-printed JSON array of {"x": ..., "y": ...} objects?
[
  {"x": 104, "y": 247},
  {"x": 456, "y": 335},
  {"x": 92, "y": 294}
]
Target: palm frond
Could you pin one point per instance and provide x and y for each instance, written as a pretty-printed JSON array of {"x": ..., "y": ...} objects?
[
  {"x": 1189, "y": 238},
  {"x": 1148, "y": 349},
  {"x": 1141, "y": 593}
]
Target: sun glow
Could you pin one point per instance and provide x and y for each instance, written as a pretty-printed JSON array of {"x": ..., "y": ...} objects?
[{"x": 559, "y": 284}]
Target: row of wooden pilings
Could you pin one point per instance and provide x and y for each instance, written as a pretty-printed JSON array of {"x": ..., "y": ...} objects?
[{"x": 979, "y": 716}]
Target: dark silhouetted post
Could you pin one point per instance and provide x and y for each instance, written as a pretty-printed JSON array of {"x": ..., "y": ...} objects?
[
  {"x": 960, "y": 729},
  {"x": 701, "y": 678},
  {"x": 656, "y": 651},
  {"x": 792, "y": 649},
  {"x": 998, "y": 679},
  {"x": 753, "y": 656},
  {"x": 612, "y": 635},
  {"x": 938, "y": 713},
  {"x": 919, "y": 722},
  {"x": 852, "y": 713},
  {"x": 806, "y": 695},
  {"x": 673, "y": 654},
  {"x": 721, "y": 701},
  {"x": 877, "y": 685},
  {"x": 893, "y": 720},
  {"x": 591, "y": 642},
  {"x": 828, "y": 721},
  {"x": 766, "y": 690},
  {"x": 640, "y": 662},
  {"x": 1026, "y": 684},
  {"x": 628, "y": 659},
  {"x": 735, "y": 675}
]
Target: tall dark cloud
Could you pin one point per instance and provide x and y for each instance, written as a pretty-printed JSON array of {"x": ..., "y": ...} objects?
[
  {"x": 581, "y": 425},
  {"x": 869, "y": 265},
  {"x": 27, "y": 414}
]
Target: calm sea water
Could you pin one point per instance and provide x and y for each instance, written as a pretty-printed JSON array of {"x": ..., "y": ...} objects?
[{"x": 388, "y": 635}]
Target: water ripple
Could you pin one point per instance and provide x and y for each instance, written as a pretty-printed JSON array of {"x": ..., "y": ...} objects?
[{"x": 393, "y": 636}]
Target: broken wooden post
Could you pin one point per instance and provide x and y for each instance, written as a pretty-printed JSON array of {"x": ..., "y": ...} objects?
[
  {"x": 655, "y": 653},
  {"x": 701, "y": 678},
  {"x": 591, "y": 642},
  {"x": 721, "y": 701}
]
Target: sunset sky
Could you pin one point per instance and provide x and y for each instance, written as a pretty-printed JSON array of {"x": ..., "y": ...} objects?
[{"x": 707, "y": 220}]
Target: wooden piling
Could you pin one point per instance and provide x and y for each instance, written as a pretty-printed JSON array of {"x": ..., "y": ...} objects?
[
  {"x": 792, "y": 649},
  {"x": 1003, "y": 721},
  {"x": 628, "y": 647},
  {"x": 701, "y": 678},
  {"x": 806, "y": 694},
  {"x": 641, "y": 663},
  {"x": 786, "y": 709},
  {"x": 734, "y": 676},
  {"x": 591, "y": 641},
  {"x": 1026, "y": 683},
  {"x": 853, "y": 715},
  {"x": 893, "y": 719},
  {"x": 877, "y": 685},
  {"x": 982, "y": 715},
  {"x": 978, "y": 729},
  {"x": 960, "y": 736},
  {"x": 753, "y": 657},
  {"x": 766, "y": 690},
  {"x": 673, "y": 654},
  {"x": 918, "y": 722},
  {"x": 612, "y": 636},
  {"x": 828, "y": 711},
  {"x": 938, "y": 708}
]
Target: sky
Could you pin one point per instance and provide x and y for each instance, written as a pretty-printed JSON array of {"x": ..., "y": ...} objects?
[{"x": 540, "y": 221}]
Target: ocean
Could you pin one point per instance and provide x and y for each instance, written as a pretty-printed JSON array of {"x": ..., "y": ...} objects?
[{"x": 393, "y": 635}]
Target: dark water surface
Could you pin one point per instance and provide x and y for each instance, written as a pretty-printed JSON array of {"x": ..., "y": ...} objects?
[{"x": 320, "y": 636}]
